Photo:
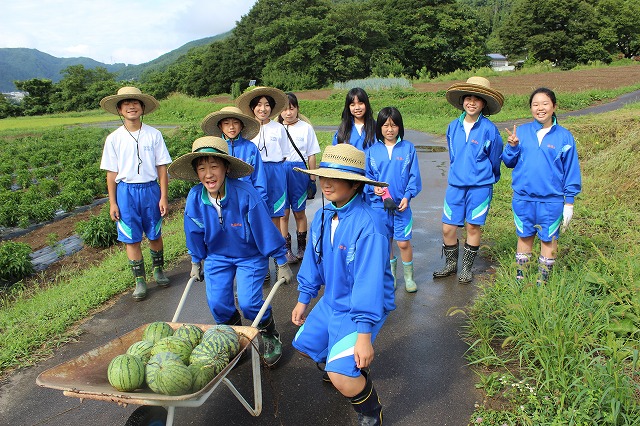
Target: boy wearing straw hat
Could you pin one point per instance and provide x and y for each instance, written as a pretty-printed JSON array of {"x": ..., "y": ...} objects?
[
  {"x": 475, "y": 148},
  {"x": 238, "y": 129},
  {"x": 136, "y": 158},
  {"x": 229, "y": 234},
  {"x": 348, "y": 254}
]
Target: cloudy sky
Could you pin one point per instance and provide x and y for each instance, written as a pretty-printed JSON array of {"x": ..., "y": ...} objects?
[{"x": 114, "y": 31}]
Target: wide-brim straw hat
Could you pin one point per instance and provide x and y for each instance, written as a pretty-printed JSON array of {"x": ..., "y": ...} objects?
[
  {"x": 278, "y": 96},
  {"x": 477, "y": 86},
  {"x": 213, "y": 146},
  {"x": 250, "y": 125},
  {"x": 110, "y": 103},
  {"x": 342, "y": 161}
]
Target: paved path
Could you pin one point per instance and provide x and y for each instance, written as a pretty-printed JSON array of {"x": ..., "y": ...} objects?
[{"x": 419, "y": 371}]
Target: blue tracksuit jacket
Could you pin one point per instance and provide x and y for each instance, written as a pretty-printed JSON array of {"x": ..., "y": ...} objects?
[
  {"x": 548, "y": 172},
  {"x": 354, "y": 269},
  {"x": 248, "y": 152},
  {"x": 246, "y": 230},
  {"x": 401, "y": 171},
  {"x": 476, "y": 161},
  {"x": 355, "y": 138}
]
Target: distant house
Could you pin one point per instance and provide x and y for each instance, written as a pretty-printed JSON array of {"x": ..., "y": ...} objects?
[{"x": 499, "y": 62}]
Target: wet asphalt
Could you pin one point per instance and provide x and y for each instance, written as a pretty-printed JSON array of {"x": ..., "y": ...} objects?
[{"x": 419, "y": 371}]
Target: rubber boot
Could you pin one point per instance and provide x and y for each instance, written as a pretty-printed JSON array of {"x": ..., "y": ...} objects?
[
  {"x": 367, "y": 404},
  {"x": 289, "y": 255},
  {"x": 545, "y": 265},
  {"x": 157, "y": 257},
  {"x": 137, "y": 267},
  {"x": 409, "y": 284},
  {"x": 394, "y": 264},
  {"x": 302, "y": 244},
  {"x": 235, "y": 319},
  {"x": 469, "y": 256},
  {"x": 450, "y": 254},
  {"x": 522, "y": 260},
  {"x": 271, "y": 340}
]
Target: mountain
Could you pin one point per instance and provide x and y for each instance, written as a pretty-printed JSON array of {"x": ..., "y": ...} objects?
[{"x": 25, "y": 64}]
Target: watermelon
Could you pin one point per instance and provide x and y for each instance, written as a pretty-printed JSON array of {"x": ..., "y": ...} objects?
[
  {"x": 207, "y": 351},
  {"x": 174, "y": 345},
  {"x": 157, "y": 360},
  {"x": 223, "y": 337},
  {"x": 156, "y": 331},
  {"x": 126, "y": 372},
  {"x": 202, "y": 374},
  {"x": 189, "y": 332},
  {"x": 141, "y": 349},
  {"x": 170, "y": 378}
]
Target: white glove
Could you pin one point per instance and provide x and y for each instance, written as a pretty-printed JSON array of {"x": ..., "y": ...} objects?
[
  {"x": 196, "y": 271},
  {"x": 284, "y": 271},
  {"x": 567, "y": 214}
]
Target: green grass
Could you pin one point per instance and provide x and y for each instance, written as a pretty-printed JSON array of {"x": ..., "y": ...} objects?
[{"x": 575, "y": 341}]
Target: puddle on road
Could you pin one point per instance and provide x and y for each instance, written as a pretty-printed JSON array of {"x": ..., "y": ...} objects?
[{"x": 431, "y": 148}]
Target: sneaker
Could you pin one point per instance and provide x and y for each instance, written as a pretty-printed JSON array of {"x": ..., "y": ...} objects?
[{"x": 272, "y": 349}]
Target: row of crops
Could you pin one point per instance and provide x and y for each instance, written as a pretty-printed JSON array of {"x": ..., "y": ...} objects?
[{"x": 55, "y": 171}]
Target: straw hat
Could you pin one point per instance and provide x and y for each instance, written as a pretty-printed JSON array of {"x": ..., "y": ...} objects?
[
  {"x": 250, "y": 125},
  {"x": 342, "y": 161},
  {"x": 110, "y": 103},
  {"x": 208, "y": 146},
  {"x": 477, "y": 86},
  {"x": 278, "y": 96}
]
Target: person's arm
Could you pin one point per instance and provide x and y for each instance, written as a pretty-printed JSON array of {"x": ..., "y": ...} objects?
[
  {"x": 511, "y": 151},
  {"x": 163, "y": 180},
  {"x": 114, "y": 211}
]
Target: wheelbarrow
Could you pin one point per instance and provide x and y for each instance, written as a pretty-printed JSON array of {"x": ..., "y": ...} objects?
[{"x": 85, "y": 377}]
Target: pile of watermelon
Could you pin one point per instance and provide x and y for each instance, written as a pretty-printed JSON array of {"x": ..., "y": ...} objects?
[{"x": 174, "y": 362}]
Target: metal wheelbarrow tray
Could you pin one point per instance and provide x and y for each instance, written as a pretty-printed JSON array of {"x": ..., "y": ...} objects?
[{"x": 85, "y": 377}]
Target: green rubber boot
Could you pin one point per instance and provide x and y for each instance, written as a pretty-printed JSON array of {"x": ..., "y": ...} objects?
[
  {"x": 271, "y": 340},
  {"x": 137, "y": 267},
  {"x": 394, "y": 263},
  {"x": 157, "y": 258},
  {"x": 409, "y": 284}
]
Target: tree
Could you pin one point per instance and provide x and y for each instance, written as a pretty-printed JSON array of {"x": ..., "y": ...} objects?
[
  {"x": 8, "y": 108},
  {"x": 621, "y": 26},
  {"x": 81, "y": 88},
  {"x": 38, "y": 98}
]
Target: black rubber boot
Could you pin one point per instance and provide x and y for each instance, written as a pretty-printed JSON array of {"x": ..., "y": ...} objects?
[
  {"x": 450, "y": 254},
  {"x": 468, "y": 258},
  {"x": 235, "y": 319},
  {"x": 545, "y": 265},
  {"x": 302, "y": 244},
  {"x": 367, "y": 404},
  {"x": 271, "y": 339},
  {"x": 157, "y": 257},
  {"x": 522, "y": 260},
  {"x": 291, "y": 258},
  {"x": 137, "y": 267}
]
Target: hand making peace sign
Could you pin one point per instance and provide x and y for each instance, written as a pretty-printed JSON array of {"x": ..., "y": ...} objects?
[{"x": 512, "y": 139}]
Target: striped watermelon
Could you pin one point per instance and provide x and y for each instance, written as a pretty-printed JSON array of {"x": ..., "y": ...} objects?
[
  {"x": 189, "y": 332},
  {"x": 170, "y": 378},
  {"x": 126, "y": 372},
  {"x": 156, "y": 331},
  {"x": 202, "y": 374},
  {"x": 141, "y": 349},
  {"x": 223, "y": 337},
  {"x": 207, "y": 351},
  {"x": 174, "y": 345}
]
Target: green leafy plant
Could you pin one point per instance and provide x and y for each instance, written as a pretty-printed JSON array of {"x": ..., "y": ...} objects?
[
  {"x": 99, "y": 230},
  {"x": 15, "y": 262},
  {"x": 179, "y": 189}
]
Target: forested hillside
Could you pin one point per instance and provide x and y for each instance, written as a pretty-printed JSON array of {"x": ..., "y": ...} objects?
[{"x": 311, "y": 44}]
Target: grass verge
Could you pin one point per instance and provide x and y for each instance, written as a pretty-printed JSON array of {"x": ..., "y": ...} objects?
[{"x": 567, "y": 352}]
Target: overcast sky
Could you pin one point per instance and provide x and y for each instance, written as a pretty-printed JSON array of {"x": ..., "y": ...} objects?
[{"x": 115, "y": 31}]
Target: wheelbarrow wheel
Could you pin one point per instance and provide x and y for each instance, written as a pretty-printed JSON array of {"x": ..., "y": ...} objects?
[{"x": 148, "y": 415}]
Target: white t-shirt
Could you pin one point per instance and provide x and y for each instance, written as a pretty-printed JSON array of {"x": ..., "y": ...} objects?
[
  {"x": 121, "y": 151},
  {"x": 467, "y": 127},
  {"x": 272, "y": 142},
  {"x": 542, "y": 133},
  {"x": 305, "y": 139}
]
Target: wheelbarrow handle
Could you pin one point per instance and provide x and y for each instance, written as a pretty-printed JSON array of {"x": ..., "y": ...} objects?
[
  {"x": 266, "y": 303},
  {"x": 183, "y": 299}
]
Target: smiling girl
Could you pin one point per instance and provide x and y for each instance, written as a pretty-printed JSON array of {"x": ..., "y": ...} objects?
[
  {"x": 545, "y": 180},
  {"x": 357, "y": 127}
]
